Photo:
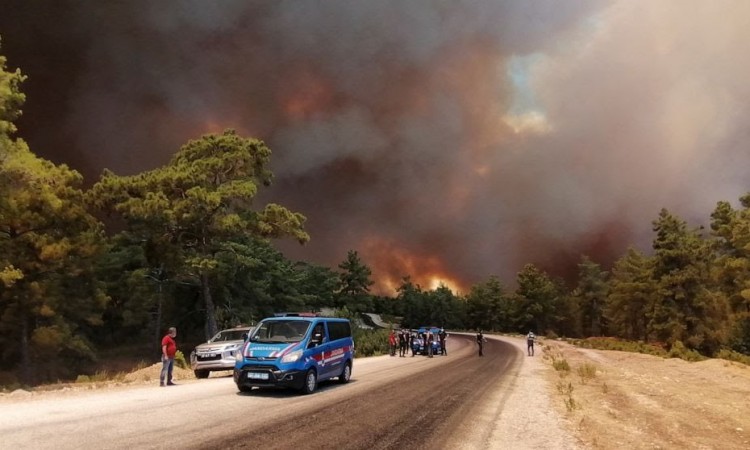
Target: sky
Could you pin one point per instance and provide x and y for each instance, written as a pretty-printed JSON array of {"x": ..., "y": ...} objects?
[{"x": 449, "y": 141}]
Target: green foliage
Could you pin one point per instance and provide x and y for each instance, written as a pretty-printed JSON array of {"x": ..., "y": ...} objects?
[
  {"x": 566, "y": 389},
  {"x": 678, "y": 350},
  {"x": 686, "y": 310},
  {"x": 100, "y": 377},
  {"x": 600, "y": 343},
  {"x": 561, "y": 365},
  {"x": 538, "y": 297},
  {"x": 179, "y": 360},
  {"x": 195, "y": 207},
  {"x": 354, "y": 284},
  {"x": 11, "y": 98},
  {"x": 731, "y": 355},
  {"x": 590, "y": 296},
  {"x": 586, "y": 371},
  {"x": 370, "y": 342},
  {"x": 632, "y": 295},
  {"x": 50, "y": 302},
  {"x": 489, "y": 307},
  {"x": 83, "y": 379}
]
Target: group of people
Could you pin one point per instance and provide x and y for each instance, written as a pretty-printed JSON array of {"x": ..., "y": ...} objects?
[{"x": 406, "y": 340}]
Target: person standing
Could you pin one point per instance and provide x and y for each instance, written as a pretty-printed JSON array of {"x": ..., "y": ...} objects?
[
  {"x": 392, "y": 342},
  {"x": 429, "y": 339},
  {"x": 480, "y": 342},
  {"x": 442, "y": 335},
  {"x": 168, "y": 350},
  {"x": 401, "y": 343},
  {"x": 530, "y": 343}
]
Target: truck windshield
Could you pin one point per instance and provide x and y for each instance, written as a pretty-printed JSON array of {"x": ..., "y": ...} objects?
[
  {"x": 281, "y": 331},
  {"x": 229, "y": 335}
]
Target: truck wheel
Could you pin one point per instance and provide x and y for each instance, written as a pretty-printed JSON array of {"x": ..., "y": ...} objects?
[
  {"x": 346, "y": 374},
  {"x": 311, "y": 382},
  {"x": 201, "y": 373}
]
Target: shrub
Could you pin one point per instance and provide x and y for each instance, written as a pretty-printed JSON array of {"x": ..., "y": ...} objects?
[
  {"x": 607, "y": 343},
  {"x": 83, "y": 379},
  {"x": 586, "y": 372},
  {"x": 571, "y": 405},
  {"x": 679, "y": 350},
  {"x": 370, "y": 342},
  {"x": 564, "y": 388},
  {"x": 731, "y": 355},
  {"x": 179, "y": 360},
  {"x": 8, "y": 381},
  {"x": 561, "y": 365}
]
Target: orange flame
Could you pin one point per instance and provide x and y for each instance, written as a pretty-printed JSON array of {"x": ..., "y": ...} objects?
[{"x": 391, "y": 262}]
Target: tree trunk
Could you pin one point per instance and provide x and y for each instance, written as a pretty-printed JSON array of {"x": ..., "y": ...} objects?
[
  {"x": 158, "y": 313},
  {"x": 595, "y": 317},
  {"x": 25, "y": 352},
  {"x": 211, "y": 327}
]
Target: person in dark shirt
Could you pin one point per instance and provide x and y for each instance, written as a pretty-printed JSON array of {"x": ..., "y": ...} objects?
[
  {"x": 530, "y": 338},
  {"x": 480, "y": 342},
  {"x": 442, "y": 335}
]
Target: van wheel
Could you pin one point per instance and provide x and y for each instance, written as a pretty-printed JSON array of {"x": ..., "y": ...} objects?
[
  {"x": 346, "y": 374},
  {"x": 311, "y": 382},
  {"x": 201, "y": 373}
]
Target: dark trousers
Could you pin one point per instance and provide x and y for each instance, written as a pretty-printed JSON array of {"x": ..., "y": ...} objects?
[
  {"x": 530, "y": 348},
  {"x": 443, "y": 351},
  {"x": 481, "y": 347}
]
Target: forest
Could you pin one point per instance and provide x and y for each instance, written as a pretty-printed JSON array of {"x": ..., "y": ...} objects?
[{"x": 87, "y": 268}]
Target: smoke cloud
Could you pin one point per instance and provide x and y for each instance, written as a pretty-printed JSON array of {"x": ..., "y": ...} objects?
[{"x": 445, "y": 140}]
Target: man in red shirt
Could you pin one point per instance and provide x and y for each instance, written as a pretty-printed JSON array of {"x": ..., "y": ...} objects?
[{"x": 168, "y": 350}]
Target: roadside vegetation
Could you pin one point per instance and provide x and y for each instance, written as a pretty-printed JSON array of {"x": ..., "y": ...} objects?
[{"x": 91, "y": 266}]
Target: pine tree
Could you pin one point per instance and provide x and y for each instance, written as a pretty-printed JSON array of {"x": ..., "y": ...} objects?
[
  {"x": 198, "y": 204},
  {"x": 50, "y": 302}
]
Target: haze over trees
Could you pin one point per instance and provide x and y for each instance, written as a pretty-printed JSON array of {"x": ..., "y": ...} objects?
[{"x": 186, "y": 245}]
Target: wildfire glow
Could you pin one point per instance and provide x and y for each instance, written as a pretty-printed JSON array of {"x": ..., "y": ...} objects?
[
  {"x": 390, "y": 263},
  {"x": 308, "y": 95},
  {"x": 213, "y": 124}
]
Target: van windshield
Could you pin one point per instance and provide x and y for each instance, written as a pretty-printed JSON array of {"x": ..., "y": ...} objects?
[{"x": 281, "y": 331}]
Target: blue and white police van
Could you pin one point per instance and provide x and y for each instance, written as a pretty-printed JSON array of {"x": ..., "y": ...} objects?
[{"x": 295, "y": 352}]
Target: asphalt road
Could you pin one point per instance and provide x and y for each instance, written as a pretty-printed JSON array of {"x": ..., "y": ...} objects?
[{"x": 412, "y": 402}]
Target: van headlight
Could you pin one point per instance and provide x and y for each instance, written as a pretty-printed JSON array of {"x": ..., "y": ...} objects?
[
  {"x": 292, "y": 357},
  {"x": 239, "y": 356}
]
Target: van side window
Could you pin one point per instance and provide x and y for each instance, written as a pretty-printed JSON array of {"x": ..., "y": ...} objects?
[
  {"x": 318, "y": 333},
  {"x": 339, "y": 330}
]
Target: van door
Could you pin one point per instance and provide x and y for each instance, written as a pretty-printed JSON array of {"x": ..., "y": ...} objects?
[
  {"x": 336, "y": 352},
  {"x": 317, "y": 348}
]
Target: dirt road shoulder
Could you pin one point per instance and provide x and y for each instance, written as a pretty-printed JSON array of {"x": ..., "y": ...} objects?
[{"x": 614, "y": 400}]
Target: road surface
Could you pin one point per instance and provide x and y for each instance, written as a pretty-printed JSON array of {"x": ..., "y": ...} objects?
[{"x": 413, "y": 402}]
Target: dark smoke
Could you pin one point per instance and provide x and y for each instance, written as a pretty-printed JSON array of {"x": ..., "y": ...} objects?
[{"x": 446, "y": 139}]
